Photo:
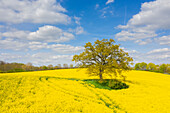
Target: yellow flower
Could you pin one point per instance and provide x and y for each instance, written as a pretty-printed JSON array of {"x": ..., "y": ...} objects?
[{"x": 64, "y": 91}]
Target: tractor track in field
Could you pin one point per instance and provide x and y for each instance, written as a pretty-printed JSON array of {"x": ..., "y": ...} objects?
[
  {"x": 101, "y": 96},
  {"x": 105, "y": 99},
  {"x": 66, "y": 91}
]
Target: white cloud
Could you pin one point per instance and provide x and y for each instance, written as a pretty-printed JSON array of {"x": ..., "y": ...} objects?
[
  {"x": 130, "y": 35},
  {"x": 50, "y": 58},
  {"x": 164, "y": 40},
  {"x": 77, "y": 20},
  {"x": 58, "y": 48},
  {"x": 9, "y": 56},
  {"x": 43, "y": 34},
  {"x": 37, "y": 45},
  {"x": 159, "y": 50},
  {"x": 162, "y": 54},
  {"x": 16, "y": 34},
  {"x": 40, "y": 39},
  {"x": 152, "y": 13},
  {"x": 78, "y": 30},
  {"x": 157, "y": 56},
  {"x": 104, "y": 11},
  {"x": 109, "y": 1},
  {"x": 143, "y": 42},
  {"x": 12, "y": 45},
  {"x": 32, "y": 11},
  {"x": 129, "y": 51},
  {"x": 50, "y": 34},
  {"x": 38, "y": 59},
  {"x": 153, "y": 17},
  {"x": 62, "y": 48}
]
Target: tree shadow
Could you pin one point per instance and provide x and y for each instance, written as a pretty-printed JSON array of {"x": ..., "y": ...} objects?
[{"x": 109, "y": 84}]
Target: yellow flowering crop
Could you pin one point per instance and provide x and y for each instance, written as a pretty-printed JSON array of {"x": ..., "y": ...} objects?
[{"x": 64, "y": 91}]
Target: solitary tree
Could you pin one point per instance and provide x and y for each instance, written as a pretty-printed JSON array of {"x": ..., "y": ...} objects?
[{"x": 103, "y": 57}]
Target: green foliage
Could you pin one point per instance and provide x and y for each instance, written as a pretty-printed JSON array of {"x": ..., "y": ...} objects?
[
  {"x": 44, "y": 67},
  {"x": 20, "y": 67},
  {"x": 15, "y": 70},
  {"x": 103, "y": 57},
  {"x": 163, "y": 68},
  {"x": 97, "y": 84},
  {"x": 143, "y": 66},
  {"x": 151, "y": 67},
  {"x": 116, "y": 84},
  {"x": 50, "y": 67},
  {"x": 107, "y": 84},
  {"x": 137, "y": 66}
]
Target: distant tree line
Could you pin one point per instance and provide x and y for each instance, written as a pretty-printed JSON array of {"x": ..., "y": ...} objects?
[
  {"x": 20, "y": 67},
  {"x": 163, "y": 68}
]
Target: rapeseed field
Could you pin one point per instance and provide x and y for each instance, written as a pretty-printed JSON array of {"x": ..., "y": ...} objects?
[{"x": 65, "y": 91}]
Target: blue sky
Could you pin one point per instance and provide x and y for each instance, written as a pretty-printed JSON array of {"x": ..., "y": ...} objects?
[{"x": 51, "y": 32}]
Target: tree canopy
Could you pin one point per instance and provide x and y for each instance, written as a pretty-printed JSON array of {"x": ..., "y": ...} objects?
[
  {"x": 103, "y": 57},
  {"x": 151, "y": 66}
]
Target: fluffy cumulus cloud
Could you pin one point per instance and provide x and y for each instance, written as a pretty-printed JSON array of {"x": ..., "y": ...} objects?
[
  {"x": 44, "y": 46},
  {"x": 33, "y": 11},
  {"x": 43, "y": 34},
  {"x": 50, "y": 34},
  {"x": 153, "y": 18},
  {"x": 109, "y": 1},
  {"x": 15, "y": 34},
  {"x": 11, "y": 44},
  {"x": 40, "y": 39}
]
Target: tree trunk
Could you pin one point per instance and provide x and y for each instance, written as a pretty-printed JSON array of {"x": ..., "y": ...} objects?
[
  {"x": 101, "y": 77},
  {"x": 100, "y": 74}
]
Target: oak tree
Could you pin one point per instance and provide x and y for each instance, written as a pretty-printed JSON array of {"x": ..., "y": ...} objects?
[{"x": 103, "y": 57}]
